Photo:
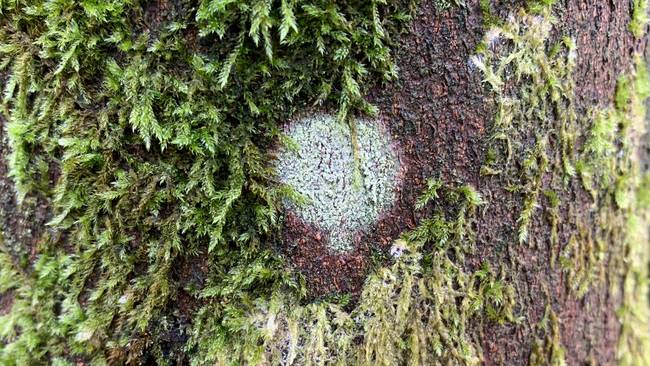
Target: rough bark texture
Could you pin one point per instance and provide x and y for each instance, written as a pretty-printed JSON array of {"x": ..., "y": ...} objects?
[{"x": 441, "y": 115}]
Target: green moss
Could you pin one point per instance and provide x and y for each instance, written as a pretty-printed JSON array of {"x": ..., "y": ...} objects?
[
  {"x": 158, "y": 140},
  {"x": 155, "y": 120},
  {"x": 157, "y": 132},
  {"x": 540, "y": 6},
  {"x": 553, "y": 217},
  {"x": 549, "y": 351},
  {"x": 414, "y": 311},
  {"x": 609, "y": 167},
  {"x": 442, "y": 5},
  {"x": 624, "y": 203},
  {"x": 533, "y": 85},
  {"x": 639, "y": 18},
  {"x": 537, "y": 105}
]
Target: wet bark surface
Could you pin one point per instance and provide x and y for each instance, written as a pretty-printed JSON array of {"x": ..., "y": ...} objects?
[{"x": 440, "y": 114}]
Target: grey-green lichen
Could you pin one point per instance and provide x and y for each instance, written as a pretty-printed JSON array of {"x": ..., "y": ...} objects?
[{"x": 345, "y": 186}]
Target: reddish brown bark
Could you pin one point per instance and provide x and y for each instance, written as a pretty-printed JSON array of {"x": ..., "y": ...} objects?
[{"x": 440, "y": 114}]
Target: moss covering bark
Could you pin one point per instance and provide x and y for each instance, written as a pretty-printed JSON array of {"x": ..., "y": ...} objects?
[{"x": 147, "y": 127}]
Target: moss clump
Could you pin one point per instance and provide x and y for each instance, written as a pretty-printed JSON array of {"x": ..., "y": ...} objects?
[
  {"x": 536, "y": 118},
  {"x": 323, "y": 171},
  {"x": 147, "y": 129},
  {"x": 608, "y": 165},
  {"x": 613, "y": 164},
  {"x": 533, "y": 84},
  {"x": 442, "y": 5},
  {"x": 415, "y": 311},
  {"x": 639, "y": 18},
  {"x": 549, "y": 351}
]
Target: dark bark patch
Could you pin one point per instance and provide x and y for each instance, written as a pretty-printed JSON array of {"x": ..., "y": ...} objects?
[{"x": 6, "y": 302}]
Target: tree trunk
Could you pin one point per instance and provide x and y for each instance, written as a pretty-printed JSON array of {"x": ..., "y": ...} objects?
[
  {"x": 445, "y": 116},
  {"x": 517, "y": 230}
]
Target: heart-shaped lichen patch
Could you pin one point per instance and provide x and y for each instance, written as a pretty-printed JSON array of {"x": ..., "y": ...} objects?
[{"x": 346, "y": 185}]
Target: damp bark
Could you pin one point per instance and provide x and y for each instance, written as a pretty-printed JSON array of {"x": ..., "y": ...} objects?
[{"x": 440, "y": 114}]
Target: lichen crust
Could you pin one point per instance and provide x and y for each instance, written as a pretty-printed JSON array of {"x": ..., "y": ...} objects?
[{"x": 346, "y": 173}]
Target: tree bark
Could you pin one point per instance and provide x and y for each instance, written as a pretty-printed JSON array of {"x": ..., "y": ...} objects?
[{"x": 441, "y": 114}]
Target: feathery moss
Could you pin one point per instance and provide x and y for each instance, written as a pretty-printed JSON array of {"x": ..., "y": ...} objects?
[
  {"x": 533, "y": 83},
  {"x": 415, "y": 311},
  {"x": 147, "y": 125},
  {"x": 549, "y": 351}
]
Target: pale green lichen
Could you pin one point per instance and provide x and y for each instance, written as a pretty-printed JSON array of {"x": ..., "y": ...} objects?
[{"x": 345, "y": 187}]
